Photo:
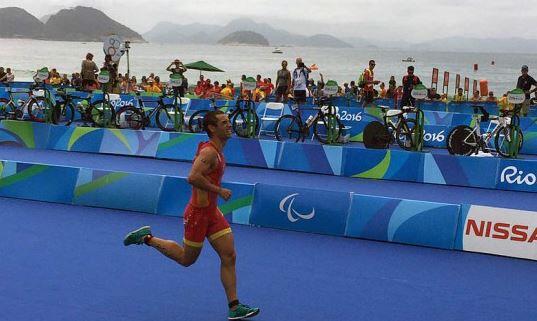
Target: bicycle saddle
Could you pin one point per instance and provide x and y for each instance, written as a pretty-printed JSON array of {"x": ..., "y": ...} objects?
[{"x": 393, "y": 112}]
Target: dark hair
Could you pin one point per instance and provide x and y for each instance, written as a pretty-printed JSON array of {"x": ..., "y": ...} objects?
[
  {"x": 89, "y": 56},
  {"x": 211, "y": 119},
  {"x": 371, "y": 61},
  {"x": 410, "y": 68}
]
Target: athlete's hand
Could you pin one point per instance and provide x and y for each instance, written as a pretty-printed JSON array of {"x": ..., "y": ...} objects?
[{"x": 225, "y": 193}]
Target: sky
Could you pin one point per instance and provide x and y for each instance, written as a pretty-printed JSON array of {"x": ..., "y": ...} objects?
[{"x": 389, "y": 20}]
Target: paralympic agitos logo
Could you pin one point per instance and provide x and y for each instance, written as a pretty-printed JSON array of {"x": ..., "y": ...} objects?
[{"x": 292, "y": 214}]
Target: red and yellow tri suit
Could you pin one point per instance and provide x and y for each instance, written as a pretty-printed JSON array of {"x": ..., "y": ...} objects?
[{"x": 202, "y": 218}]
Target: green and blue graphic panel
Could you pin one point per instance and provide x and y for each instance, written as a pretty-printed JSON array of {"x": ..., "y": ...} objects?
[
  {"x": 179, "y": 146},
  {"x": 130, "y": 142},
  {"x": 119, "y": 190},
  {"x": 24, "y": 134},
  {"x": 37, "y": 182},
  {"x": 76, "y": 139},
  {"x": 382, "y": 164},
  {"x": 252, "y": 152},
  {"x": 313, "y": 158},
  {"x": 403, "y": 221}
]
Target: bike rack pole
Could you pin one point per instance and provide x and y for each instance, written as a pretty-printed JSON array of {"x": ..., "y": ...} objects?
[
  {"x": 418, "y": 131},
  {"x": 515, "y": 125}
]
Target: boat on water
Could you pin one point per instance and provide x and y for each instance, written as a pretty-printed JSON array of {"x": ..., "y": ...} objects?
[
  {"x": 408, "y": 59},
  {"x": 277, "y": 51}
]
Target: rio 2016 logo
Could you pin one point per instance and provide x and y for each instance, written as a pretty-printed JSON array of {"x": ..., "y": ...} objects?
[
  {"x": 511, "y": 175},
  {"x": 121, "y": 103},
  {"x": 292, "y": 214},
  {"x": 434, "y": 137},
  {"x": 350, "y": 116}
]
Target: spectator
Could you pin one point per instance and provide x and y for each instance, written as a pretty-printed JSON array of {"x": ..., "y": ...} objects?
[
  {"x": 112, "y": 68},
  {"x": 503, "y": 104},
  {"x": 8, "y": 76},
  {"x": 199, "y": 90},
  {"x": 409, "y": 81},
  {"x": 65, "y": 81},
  {"x": 433, "y": 95},
  {"x": 227, "y": 91},
  {"x": 392, "y": 85},
  {"x": 158, "y": 83},
  {"x": 76, "y": 80},
  {"x": 2, "y": 74},
  {"x": 300, "y": 81},
  {"x": 369, "y": 83},
  {"x": 525, "y": 82},
  {"x": 459, "y": 97},
  {"x": 88, "y": 70},
  {"x": 383, "y": 91},
  {"x": 269, "y": 87},
  {"x": 54, "y": 78},
  {"x": 152, "y": 87},
  {"x": 491, "y": 97},
  {"x": 354, "y": 89},
  {"x": 177, "y": 68},
  {"x": 283, "y": 83},
  {"x": 476, "y": 97},
  {"x": 346, "y": 88}
]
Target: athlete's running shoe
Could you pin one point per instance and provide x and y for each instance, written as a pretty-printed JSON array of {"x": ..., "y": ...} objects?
[
  {"x": 242, "y": 312},
  {"x": 137, "y": 236}
]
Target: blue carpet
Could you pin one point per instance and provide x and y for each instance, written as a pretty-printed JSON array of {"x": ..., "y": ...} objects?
[
  {"x": 65, "y": 263},
  {"x": 408, "y": 190}
]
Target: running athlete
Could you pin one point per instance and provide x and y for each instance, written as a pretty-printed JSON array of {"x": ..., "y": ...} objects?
[{"x": 202, "y": 218}]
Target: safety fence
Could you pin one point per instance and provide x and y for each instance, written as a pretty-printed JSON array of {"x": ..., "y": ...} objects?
[
  {"x": 444, "y": 169},
  {"x": 447, "y": 226}
]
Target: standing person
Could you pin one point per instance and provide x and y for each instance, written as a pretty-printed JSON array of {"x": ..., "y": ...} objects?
[
  {"x": 283, "y": 83},
  {"x": 300, "y": 81},
  {"x": 202, "y": 218},
  {"x": 88, "y": 70},
  {"x": 369, "y": 83},
  {"x": 409, "y": 81},
  {"x": 177, "y": 68},
  {"x": 8, "y": 76},
  {"x": 525, "y": 82},
  {"x": 112, "y": 69},
  {"x": 2, "y": 73}
]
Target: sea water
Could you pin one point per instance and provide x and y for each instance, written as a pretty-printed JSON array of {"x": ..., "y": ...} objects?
[{"x": 343, "y": 65}]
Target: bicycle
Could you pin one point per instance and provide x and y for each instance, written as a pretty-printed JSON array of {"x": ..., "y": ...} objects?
[
  {"x": 326, "y": 125},
  {"x": 101, "y": 112},
  {"x": 168, "y": 117},
  {"x": 43, "y": 110},
  {"x": 64, "y": 110},
  {"x": 14, "y": 109},
  {"x": 244, "y": 119},
  {"x": 380, "y": 135},
  {"x": 466, "y": 140}
]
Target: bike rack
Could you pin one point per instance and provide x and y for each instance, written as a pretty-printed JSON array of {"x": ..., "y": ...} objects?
[{"x": 515, "y": 123}]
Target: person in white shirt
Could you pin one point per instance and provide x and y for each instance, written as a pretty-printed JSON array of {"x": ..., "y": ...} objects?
[{"x": 300, "y": 81}]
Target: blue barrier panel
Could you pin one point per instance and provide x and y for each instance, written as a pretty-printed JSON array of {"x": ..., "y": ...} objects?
[
  {"x": 437, "y": 118},
  {"x": 529, "y": 129},
  {"x": 24, "y": 134},
  {"x": 433, "y": 105},
  {"x": 517, "y": 175},
  {"x": 77, "y": 139},
  {"x": 179, "y": 146},
  {"x": 403, "y": 221},
  {"x": 382, "y": 164},
  {"x": 175, "y": 194},
  {"x": 459, "y": 170},
  {"x": 252, "y": 152},
  {"x": 435, "y": 135},
  {"x": 130, "y": 142},
  {"x": 312, "y": 158},
  {"x": 37, "y": 182},
  {"x": 499, "y": 231},
  {"x": 300, "y": 209},
  {"x": 119, "y": 190}
]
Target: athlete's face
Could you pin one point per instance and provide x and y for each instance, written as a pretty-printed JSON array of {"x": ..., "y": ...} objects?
[{"x": 223, "y": 127}]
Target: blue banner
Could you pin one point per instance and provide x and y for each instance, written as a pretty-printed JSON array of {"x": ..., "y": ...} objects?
[
  {"x": 300, "y": 209},
  {"x": 403, "y": 221},
  {"x": 517, "y": 175}
]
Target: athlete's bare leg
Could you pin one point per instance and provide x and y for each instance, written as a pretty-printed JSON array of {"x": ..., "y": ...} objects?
[
  {"x": 225, "y": 248},
  {"x": 185, "y": 255}
]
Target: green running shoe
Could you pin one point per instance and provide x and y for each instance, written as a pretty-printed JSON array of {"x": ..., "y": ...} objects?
[
  {"x": 137, "y": 236},
  {"x": 242, "y": 312}
]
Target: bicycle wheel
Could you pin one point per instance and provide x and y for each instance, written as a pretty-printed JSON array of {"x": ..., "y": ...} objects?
[
  {"x": 170, "y": 118},
  {"x": 38, "y": 109},
  {"x": 462, "y": 141},
  {"x": 404, "y": 134},
  {"x": 376, "y": 136},
  {"x": 503, "y": 142},
  {"x": 195, "y": 122},
  {"x": 102, "y": 114},
  {"x": 129, "y": 117},
  {"x": 327, "y": 129},
  {"x": 5, "y": 108},
  {"x": 246, "y": 123},
  {"x": 288, "y": 128},
  {"x": 63, "y": 114}
]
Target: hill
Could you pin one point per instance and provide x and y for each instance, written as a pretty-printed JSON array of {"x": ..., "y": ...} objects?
[
  {"x": 85, "y": 24},
  {"x": 167, "y": 32},
  {"x": 244, "y": 38},
  {"x": 18, "y": 23}
]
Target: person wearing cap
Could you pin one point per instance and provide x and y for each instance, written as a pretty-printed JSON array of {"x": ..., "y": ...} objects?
[
  {"x": 525, "y": 82},
  {"x": 177, "y": 68}
]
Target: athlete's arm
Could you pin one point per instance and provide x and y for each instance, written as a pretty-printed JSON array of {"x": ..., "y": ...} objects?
[{"x": 203, "y": 164}]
